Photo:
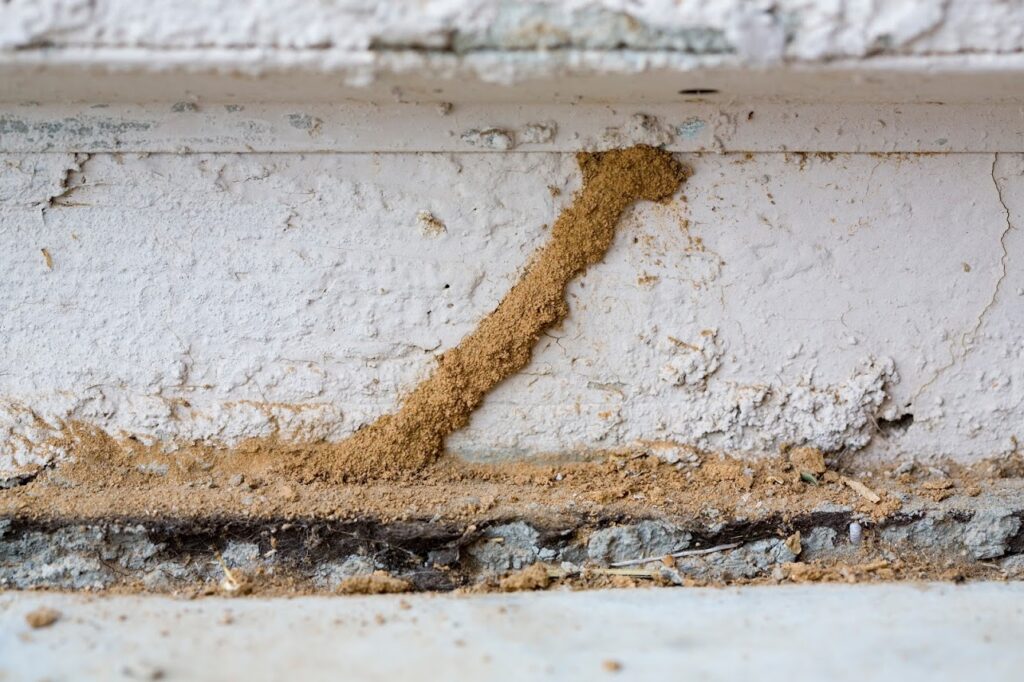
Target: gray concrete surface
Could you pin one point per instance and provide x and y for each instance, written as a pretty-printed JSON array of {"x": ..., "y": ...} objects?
[{"x": 837, "y": 632}]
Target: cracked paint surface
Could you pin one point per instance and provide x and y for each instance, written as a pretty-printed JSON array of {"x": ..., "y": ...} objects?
[{"x": 791, "y": 298}]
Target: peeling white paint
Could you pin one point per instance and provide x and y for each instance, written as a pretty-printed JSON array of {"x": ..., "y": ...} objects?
[
  {"x": 748, "y": 126},
  {"x": 494, "y": 139},
  {"x": 691, "y": 364},
  {"x": 639, "y": 129}
]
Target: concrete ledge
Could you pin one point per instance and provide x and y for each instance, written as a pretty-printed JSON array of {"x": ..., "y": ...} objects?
[
  {"x": 564, "y": 77},
  {"x": 193, "y": 125}
]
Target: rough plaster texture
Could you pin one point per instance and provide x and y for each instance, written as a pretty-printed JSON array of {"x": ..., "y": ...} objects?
[
  {"x": 215, "y": 297},
  {"x": 757, "y": 31},
  {"x": 98, "y": 50},
  {"x": 788, "y": 299},
  {"x": 268, "y": 217}
]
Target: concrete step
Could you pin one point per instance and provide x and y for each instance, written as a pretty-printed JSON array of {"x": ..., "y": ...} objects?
[{"x": 904, "y": 632}]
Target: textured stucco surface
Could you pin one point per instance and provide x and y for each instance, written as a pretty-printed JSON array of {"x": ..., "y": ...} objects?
[
  {"x": 787, "y": 299},
  {"x": 759, "y": 31},
  {"x": 230, "y": 219},
  {"x": 601, "y": 50}
]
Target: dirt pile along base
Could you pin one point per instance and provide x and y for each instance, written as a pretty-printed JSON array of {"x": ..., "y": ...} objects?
[
  {"x": 502, "y": 343},
  {"x": 629, "y": 519}
]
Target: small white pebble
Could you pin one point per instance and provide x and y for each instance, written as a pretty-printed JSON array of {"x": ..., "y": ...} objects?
[{"x": 856, "y": 532}]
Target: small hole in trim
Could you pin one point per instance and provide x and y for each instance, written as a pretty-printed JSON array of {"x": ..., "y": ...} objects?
[{"x": 699, "y": 91}]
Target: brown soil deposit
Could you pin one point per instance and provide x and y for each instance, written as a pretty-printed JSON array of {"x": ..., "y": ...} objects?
[
  {"x": 377, "y": 582},
  {"x": 502, "y": 343},
  {"x": 433, "y": 530},
  {"x": 42, "y": 617},
  {"x": 533, "y": 578},
  {"x": 105, "y": 478}
]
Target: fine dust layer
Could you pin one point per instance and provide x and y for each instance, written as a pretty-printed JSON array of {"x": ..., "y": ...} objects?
[{"x": 503, "y": 342}]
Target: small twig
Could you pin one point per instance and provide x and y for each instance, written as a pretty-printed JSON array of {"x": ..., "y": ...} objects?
[
  {"x": 687, "y": 552},
  {"x": 862, "y": 490},
  {"x": 561, "y": 573},
  {"x": 628, "y": 572}
]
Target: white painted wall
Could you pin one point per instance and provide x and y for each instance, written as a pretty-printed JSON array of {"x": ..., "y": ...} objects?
[
  {"x": 225, "y": 268},
  {"x": 758, "y": 31}
]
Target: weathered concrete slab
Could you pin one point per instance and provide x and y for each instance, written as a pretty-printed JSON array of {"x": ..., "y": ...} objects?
[{"x": 904, "y": 633}]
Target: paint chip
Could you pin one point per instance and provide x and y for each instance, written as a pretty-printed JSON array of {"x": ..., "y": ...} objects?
[
  {"x": 690, "y": 128},
  {"x": 429, "y": 225},
  {"x": 489, "y": 138},
  {"x": 539, "y": 133},
  {"x": 311, "y": 124}
]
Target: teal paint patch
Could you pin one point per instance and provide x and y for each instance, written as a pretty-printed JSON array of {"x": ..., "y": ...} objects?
[{"x": 690, "y": 128}]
